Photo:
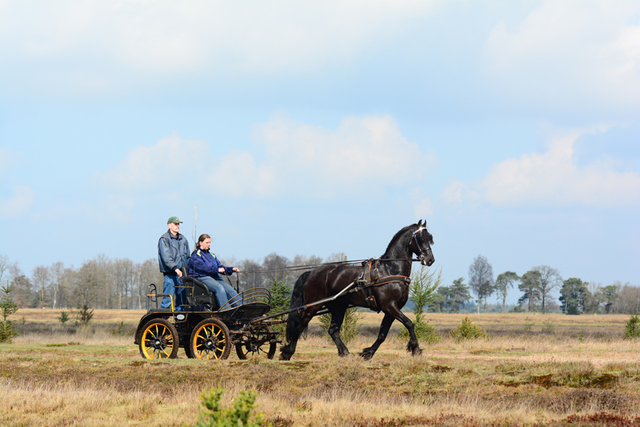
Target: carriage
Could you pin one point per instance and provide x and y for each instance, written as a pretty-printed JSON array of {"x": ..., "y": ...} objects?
[
  {"x": 207, "y": 331},
  {"x": 203, "y": 329}
]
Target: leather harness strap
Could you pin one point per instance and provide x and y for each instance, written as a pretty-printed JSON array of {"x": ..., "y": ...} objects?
[{"x": 368, "y": 279}]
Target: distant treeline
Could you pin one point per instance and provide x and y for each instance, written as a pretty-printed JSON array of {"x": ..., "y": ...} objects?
[
  {"x": 537, "y": 290},
  {"x": 122, "y": 284}
]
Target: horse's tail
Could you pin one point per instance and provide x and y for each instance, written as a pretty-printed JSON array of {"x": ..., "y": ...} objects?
[{"x": 297, "y": 299}]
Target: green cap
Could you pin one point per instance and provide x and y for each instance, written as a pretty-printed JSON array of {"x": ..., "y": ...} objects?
[{"x": 174, "y": 219}]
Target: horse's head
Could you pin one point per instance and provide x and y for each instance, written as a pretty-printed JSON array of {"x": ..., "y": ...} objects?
[{"x": 421, "y": 242}]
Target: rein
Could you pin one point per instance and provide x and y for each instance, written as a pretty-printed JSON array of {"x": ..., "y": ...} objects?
[
  {"x": 416, "y": 237},
  {"x": 311, "y": 266}
]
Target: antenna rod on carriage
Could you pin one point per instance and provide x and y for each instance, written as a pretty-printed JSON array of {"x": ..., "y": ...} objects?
[{"x": 195, "y": 225}]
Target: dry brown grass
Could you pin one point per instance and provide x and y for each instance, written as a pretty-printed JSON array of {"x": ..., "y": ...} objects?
[
  {"x": 47, "y": 315},
  {"x": 509, "y": 379}
]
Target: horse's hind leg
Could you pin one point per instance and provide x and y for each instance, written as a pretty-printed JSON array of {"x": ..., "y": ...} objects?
[
  {"x": 337, "y": 317},
  {"x": 368, "y": 353},
  {"x": 296, "y": 325},
  {"x": 286, "y": 351},
  {"x": 293, "y": 332}
]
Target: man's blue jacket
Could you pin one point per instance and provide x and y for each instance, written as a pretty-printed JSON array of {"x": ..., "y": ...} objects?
[
  {"x": 203, "y": 263},
  {"x": 173, "y": 252}
]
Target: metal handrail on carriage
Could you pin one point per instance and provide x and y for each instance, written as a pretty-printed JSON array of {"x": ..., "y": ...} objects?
[
  {"x": 249, "y": 296},
  {"x": 152, "y": 297}
]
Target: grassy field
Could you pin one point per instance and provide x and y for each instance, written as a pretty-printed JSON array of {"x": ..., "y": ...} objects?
[{"x": 547, "y": 370}]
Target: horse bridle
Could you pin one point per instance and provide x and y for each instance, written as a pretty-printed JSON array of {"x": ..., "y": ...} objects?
[{"x": 416, "y": 238}]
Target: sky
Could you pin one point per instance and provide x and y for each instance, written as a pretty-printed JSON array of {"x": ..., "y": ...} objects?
[{"x": 315, "y": 128}]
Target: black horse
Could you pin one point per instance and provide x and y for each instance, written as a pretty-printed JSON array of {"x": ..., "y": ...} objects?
[{"x": 390, "y": 296}]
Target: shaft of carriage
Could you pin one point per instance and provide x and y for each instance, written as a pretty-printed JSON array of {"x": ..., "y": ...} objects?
[{"x": 304, "y": 307}]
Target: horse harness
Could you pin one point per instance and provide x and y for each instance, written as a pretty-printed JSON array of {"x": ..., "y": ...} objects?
[{"x": 370, "y": 278}]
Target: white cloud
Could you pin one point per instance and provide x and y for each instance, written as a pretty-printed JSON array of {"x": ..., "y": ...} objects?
[
  {"x": 552, "y": 179},
  {"x": 457, "y": 192},
  {"x": 290, "y": 159},
  {"x": 570, "y": 51},
  {"x": 164, "y": 166},
  {"x": 19, "y": 203},
  {"x": 306, "y": 160},
  {"x": 422, "y": 206},
  {"x": 95, "y": 41},
  {"x": 8, "y": 159}
]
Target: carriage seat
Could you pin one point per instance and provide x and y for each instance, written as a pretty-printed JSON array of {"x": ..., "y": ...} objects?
[{"x": 198, "y": 294}]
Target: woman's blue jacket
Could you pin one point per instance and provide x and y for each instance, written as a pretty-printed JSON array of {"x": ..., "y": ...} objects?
[{"x": 203, "y": 263}]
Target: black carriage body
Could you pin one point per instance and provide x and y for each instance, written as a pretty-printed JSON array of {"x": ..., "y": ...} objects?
[{"x": 201, "y": 324}]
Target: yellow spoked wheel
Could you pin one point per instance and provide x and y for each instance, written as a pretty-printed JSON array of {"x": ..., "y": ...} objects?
[
  {"x": 259, "y": 345},
  {"x": 210, "y": 339},
  {"x": 159, "y": 340}
]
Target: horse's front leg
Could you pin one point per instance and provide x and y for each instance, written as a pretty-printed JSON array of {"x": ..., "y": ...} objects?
[
  {"x": 413, "y": 346},
  {"x": 337, "y": 317},
  {"x": 368, "y": 353}
]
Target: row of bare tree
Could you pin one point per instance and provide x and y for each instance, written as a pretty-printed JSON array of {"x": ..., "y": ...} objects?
[{"x": 123, "y": 284}]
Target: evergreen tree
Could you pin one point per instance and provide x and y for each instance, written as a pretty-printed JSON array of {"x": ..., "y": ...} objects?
[
  {"x": 8, "y": 307},
  {"x": 573, "y": 295},
  {"x": 503, "y": 283},
  {"x": 610, "y": 295},
  {"x": 459, "y": 295},
  {"x": 529, "y": 286},
  {"x": 280, "y": 300},
  {"x": 280, "y": 296},
  {"x": 441, "y": 300}
]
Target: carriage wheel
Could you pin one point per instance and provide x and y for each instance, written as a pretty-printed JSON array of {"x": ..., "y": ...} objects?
[
  {"x": 159, "y": 340},
  {"x": 210, "y": 339},
  {"x": 259, "y": 345}
]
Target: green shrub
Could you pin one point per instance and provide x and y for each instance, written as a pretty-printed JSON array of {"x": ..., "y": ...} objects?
[
  {"x": 280, "y": 296},
  {"x": 548, "y": 327},
  {"x": 632, "y": 328},
  {"x": 280, "y": 301},
  {"x": 350, "y": 325},
  {"x": 122, "y": 330},
  {"x": 528, "y": 324},
  {"x": 84, "y": 315},
  {"x": 64, "y": 317},
  {"x": 467, "y": 330},
  {"x": 422, "y": 291},
  {"x": 8, "y": 307},
  {"x": 240, "y": 414}
]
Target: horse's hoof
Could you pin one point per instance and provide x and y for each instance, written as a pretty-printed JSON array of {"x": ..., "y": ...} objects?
[
  {"x": 416, "y": 352},
  {"x": 285, "y": 356},
  {"x": 366, "y": 355}
]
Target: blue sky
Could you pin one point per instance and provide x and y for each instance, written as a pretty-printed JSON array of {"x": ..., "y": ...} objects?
[{"x": 315, "y": 128}]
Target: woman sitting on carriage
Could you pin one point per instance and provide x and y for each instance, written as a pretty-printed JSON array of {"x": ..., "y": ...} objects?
[{"x": 206, "y": 267}]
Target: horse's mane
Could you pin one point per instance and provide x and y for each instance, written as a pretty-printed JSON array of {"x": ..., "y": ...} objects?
[{"x": 393, "y": 246}]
